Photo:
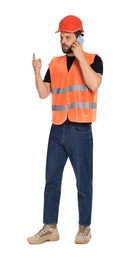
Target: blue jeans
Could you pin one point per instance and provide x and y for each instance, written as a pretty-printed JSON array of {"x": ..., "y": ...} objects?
[{"x": 73, "y": 141}]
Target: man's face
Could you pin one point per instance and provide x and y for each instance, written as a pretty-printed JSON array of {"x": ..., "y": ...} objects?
[{"x": 66, "y": 40}]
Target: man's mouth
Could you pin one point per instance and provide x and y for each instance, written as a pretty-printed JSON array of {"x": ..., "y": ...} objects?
[{"x": 64, "y": 46}]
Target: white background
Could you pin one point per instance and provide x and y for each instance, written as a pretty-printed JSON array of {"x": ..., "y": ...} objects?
[{"x": 31, "y": 27}]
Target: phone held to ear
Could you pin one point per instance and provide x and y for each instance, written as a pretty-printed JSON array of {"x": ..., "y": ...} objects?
[{"x": 80, "y": 39}]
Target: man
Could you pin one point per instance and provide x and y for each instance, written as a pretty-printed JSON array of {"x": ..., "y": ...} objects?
[{"x": 73, "y": 80}]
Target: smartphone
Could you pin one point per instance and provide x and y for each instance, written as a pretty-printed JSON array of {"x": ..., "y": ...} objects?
[{"x": 80, "y": 39}]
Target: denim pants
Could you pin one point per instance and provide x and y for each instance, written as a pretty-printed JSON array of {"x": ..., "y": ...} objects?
[{"x": 73, "y": 141}]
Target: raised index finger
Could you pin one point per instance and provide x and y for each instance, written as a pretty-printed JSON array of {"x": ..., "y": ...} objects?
[{"x": 34, "y": 57}]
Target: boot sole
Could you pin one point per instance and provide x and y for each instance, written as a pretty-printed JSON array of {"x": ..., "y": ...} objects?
[
  {"x": 81, "y": 242},
  {"x": 48, "y": 238}
]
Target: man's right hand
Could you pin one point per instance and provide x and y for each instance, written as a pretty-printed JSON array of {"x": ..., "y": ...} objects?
[{"x": 36, "y": 63}]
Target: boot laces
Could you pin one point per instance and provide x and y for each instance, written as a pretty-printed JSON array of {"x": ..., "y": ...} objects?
[
  {"x": 85, "y": 232},
  {"x": 42, "y": 231}
]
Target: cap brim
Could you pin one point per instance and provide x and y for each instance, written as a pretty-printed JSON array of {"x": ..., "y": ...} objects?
[{"x": 69, "y": 31}]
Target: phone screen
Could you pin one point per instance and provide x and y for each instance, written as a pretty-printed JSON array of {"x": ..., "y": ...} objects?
[{"x": 80, "y": 39}]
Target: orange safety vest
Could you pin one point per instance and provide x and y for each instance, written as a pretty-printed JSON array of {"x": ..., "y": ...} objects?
[{"x": 71, "y": 98}]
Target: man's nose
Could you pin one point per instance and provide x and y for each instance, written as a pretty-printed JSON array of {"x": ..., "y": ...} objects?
[{"x": 63, "y": 41}]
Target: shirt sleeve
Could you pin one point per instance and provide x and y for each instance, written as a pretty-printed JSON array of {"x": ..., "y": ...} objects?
[
  {"x": 47, "y": 77},
  {"x": 97, "y": 65}
]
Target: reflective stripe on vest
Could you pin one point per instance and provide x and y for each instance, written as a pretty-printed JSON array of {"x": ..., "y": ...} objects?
[
  {"x": 69, "y": 89},
  {"x": 74, "y": 105}
]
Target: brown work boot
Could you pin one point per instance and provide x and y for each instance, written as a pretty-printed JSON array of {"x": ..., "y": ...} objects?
[
  {"x": 83, "y": 235},
  {"x": 47, "y": 233}
]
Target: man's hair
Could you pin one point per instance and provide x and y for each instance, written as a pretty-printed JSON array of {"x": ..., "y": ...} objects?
[{"x": 78, "y": 33}]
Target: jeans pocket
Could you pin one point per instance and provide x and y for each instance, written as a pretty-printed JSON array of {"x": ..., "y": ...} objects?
[{"x": 82, "y": 127}]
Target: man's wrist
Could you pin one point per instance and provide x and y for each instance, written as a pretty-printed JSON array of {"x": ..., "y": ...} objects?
[{"x": 37, "y": 74}]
